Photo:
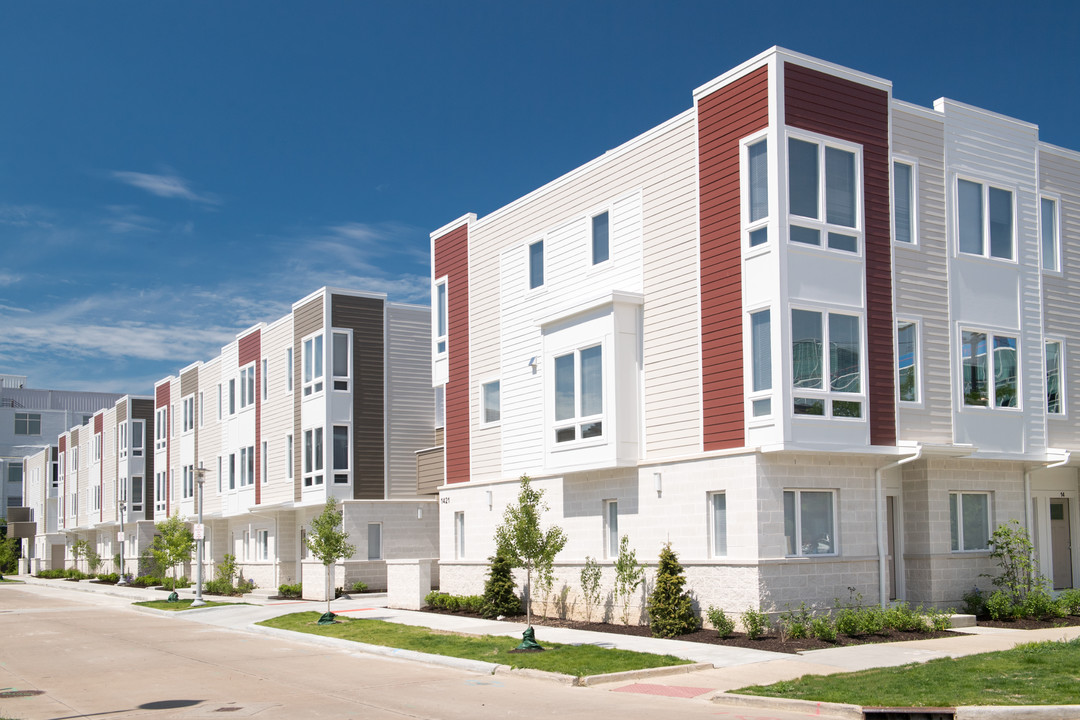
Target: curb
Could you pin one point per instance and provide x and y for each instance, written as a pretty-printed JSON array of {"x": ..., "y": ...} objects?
[
  {"x": 560, "y": 678},
  {"x": 837, "y": 710},
  {"x": 1017, "y": 712},
  {"x": 590, "y": 680}
]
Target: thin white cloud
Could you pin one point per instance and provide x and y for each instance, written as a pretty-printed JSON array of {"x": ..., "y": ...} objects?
[
  {"x": 167, "y": 185},
  {"x": 24, "y": 216},
  {"x": 7, "y": 279}
]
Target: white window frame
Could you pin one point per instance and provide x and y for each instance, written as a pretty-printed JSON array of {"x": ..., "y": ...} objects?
[
  {"x": 486, "y": 419},
  {"x": 378, "y": 527},
  {"x": 172, "y": 419},
  {"x": 27, "y": 420},
  {"x": 122, "y": 440},
  {"x": 611, "y": 528},
  {"x": 247, "y": 544},
  {"x": 917, "y": 364},
  {"x": 578, "y": 421},
  {"x": 825, "y": 393},
  {"x": 232, "y": 396},
  {"x": 718, "y": 544},
  {"x": 161, "y": 428},
  {"x": 247, "y": 466},
  {"x": 752, "y": 227},
  {"x": 592, "y": 237},
  {"x": 137, "y": 482},
  {"x": 262, "y": 544},
  {"x": 1055, "y": 220},
  {"x": 263, "y": 464},
  {"x": 189, "y": 413},
  {"x": 529, "y": 265},
  {"x": 341, "y": 383},
  {"x": 799, "y": 551},
  {"x": 247, "y": 386},
  {"x": 440, "y": 320},
  {"x": 220, "y": 473},
  {"x": 314, "y": 462},
  {"x": 991, "y": 371},
  {"x": 202, "y": 409},
  {"x": 958, "y": 517},
  {"x": 759, "y": 403},
  {"x": 159, "y": 491},
  {"x": 188, "y": 491},
  {"x": 313, "y": 364},
  {"x": 264, "y": 385},
  {"x": 97, "y": 448},
  {"x": 459, "y": 535},
  {"x": 95, "y": 498},
  {"x": 341, "y": 475},
  {"x": 232, "y": 472},
  {"x": 913, "y": 164},
  {"x": 986, "y": 185},
  {"x": 220, "y": 402},
  {"x": 138, "y": 437},
  {"x": 289, "y": 370},
  {"x": 1062, "y": 394},
  {"x": 820, "y": 223},
  {"x": 289, "y": 449}
]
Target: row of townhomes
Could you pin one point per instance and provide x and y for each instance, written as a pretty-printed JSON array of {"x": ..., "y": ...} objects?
[
  {"x": 330, "y": 401},
  {"x": 815, "y": 337}
]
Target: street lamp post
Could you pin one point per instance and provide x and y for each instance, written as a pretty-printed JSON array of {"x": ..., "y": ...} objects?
[
  {"x": 200, "y": 532},
  {"x": 122, "y": 580}
]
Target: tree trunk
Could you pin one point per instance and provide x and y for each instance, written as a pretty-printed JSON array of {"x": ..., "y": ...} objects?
[
  {"x": 329, "y": 593},
  {"x": 528, "y": 596}
]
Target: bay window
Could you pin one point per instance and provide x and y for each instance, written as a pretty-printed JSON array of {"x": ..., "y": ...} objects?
[
  {"x": 341, "y": 454},
  {"x": 826, "y": 384},
  {"x": 989, "y": 367},
  {"x": 247, "y": 386},
  {"x": 313, "y": 457},
  {"x": 761, "y": 362},
  {"x": 579, "y": 395},
  {"x": 340, "y": 361},
  {"x": 440, "y": 317},
  {"x": 756, "y": 171},
  {"x": 823, "y": 194}
]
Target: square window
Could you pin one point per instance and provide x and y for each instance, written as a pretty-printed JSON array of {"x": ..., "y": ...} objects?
[
  {"x": 809, "y": 526},
  {"x": 490, "y": 401},
  {"x": 969, "y": 521},
  {"x": 27, "y": 423}
]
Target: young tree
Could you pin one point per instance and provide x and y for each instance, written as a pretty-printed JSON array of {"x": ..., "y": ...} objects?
[
  {"x": 521, "y": 540},
  {"x": 173, "y": 544},
  {"x": 629, "y": 575},
  {"x": 327, "y": 541},
  {"x": 79, "y": 549},
  {"x": 590, "y": 585},
  {"x": 671, "y": 611}
]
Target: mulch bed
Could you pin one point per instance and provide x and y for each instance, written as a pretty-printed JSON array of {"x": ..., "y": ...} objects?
[{"x": 772, "y": 642}]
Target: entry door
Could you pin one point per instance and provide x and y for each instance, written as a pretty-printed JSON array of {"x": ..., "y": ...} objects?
[
  {"x": 57, "y": 557},
  {"x": 890, "y": 558},
  {"x": 1061, "y": 544}
]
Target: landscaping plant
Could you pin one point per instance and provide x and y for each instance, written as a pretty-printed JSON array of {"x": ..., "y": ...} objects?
[
  {"x": 795, "y": 624},
  {"x": 720, "y": 621},
  {"x": 590, "y": 585},
  {"x": 755, "y": 623},
  {"x": 671, "y": 610},
  {"x": 499, "y": 595},
  {"x": 173, "y": 543},
  {"x": 359, "y": 587},
  {"x": 629, "y": 575},
  {"x": 1018, "y": 572},
  {"x": 823, "y": 628},
  {"x": 328, "y": 542}
]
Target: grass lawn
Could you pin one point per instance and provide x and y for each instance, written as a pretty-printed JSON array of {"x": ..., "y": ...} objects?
[
  {"x": 180, "y": 604},
  {"x": 9, "y": 580},
  {"x": 1043, "y": 673},
  {"x": 577, "y": 660}
]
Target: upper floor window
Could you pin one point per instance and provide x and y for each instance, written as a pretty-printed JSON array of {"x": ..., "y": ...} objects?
[
  {"x": 489, "y": 401},
  {"x": 1054, "y": 396},
  {"x": 984, "y": 220},
  {"x": 340, "y": 365},
  {"x": 247, "y": 386},
  {"x": 189, "y": 481},
  {"x": 536, "y": 264},
  {"x": 232, "y": 396},
  {"x": 313, "y": 365},
  {"x": 341, "y": 454},
  {"x": 189, "y": 413},
  {"x": 97, "y": 448},
  {"x": 247, "y": 466},
  {"x": 1048, "y": 224},
  {"x": 122, "y": 440},
  {"x": 313, "y": 457},
  {"x": 903, "y": 202},
  {"x": 811, "y": 333},
  {"x": 907, "y": 360},
  {"x": 761, "y": 362},
  {"x": 288, "y": 369},
  {"x": 600, "y": 238},
  {"x": 137, "y": 427},
  {"x": 823, "y": 195},
  {"x": 27, "y": 423},
  {"x": 161, "y": 426},
  {"x": 159, "y": 492},
  {"x": 579, "y": 394},
  {"x": 756, "y": 163},
  {"x": 220, "y": 396},
  {"x": 202, "y": 410},
  {"x": 989, "y": 374},
  {"x": 440, "y": 317},
  {"x": 265, "y": 386}
]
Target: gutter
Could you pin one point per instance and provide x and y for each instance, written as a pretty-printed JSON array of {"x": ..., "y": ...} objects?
[{"x": 879, "y": 501}]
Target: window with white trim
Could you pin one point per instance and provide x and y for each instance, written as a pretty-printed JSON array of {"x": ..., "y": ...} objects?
[
  {"x": 969, "y": 521},
  {"x": 374, "y": 541},
  {"x": 755, "y": 159},
  {"x": 232, "y": 396},
  {"x": 122, "y": 440},
  {"x": 137, "y": 494},
  {"x": 601, "y": 232},
  {"x": 262, "y": 544},
  {"x": 247, "y": 466},
  {"x": 810, "y": 522},
  {"x": 440, "y": 317},
  {"x": 490, "y": 407},
  {"x": 824, "y": 182},
  {"x": 459, "y": 535},
  {"x": 247, "y": 386},
  {"x": 189, "y": 482},
  {"x": 579, "y": 394},
  {"x": 987, "y": 374},
  {"x": 137, "y": 437},
  {"x": 313, "y": 365},
  {"x": 263, "y": 464},
  {"x": 220, "y": 474},
  {"x": 95, "y": 497},
  {"x": 813, "y": 331},
  {"x": 1055, "y": 403},
  {"x": 73, "y": 504},
  {"x": 27, "y": 423},
  {"x": 1048, "y": 231},
  {"x": 761, "y": 363},
  {"x": 904, "y": 202},
  {"x": 247, "y": 544},
  {"x": 232, "y": 471},
  {"x": 718, "y": 523},
  {"x": 313, "y": 457},
  {"x": 288, "y": 369},
  {"x": 341, "y": 454},
  {"x": 189, "y": 413},
  {"x": 159, "y": 492},
  {"x": 611, "y": 529},
  {"x": 161, "y": 428},
  {"x": 536, "y": 264},
  {"x": 172, "y": 419},
  {"x": 984, "y": 217},
  {"x": 202, "y": 410},
  {"x": 97, "y": 448},
  {"x": 263, "y": 380},
  {"x": 907, "y": 360},
  {"x": 220, "y": 403},
  {"x": 289, "y": 456},
  {"x": 341, "y": 362}
]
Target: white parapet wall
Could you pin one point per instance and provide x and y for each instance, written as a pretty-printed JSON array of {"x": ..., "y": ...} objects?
[{"x": 408, "y": 582}]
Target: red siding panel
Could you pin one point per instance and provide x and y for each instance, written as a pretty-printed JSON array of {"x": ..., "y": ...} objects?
[
  {"x": 724, "y": 117},
  {"x": 452, "y": 261},
  {"x": 248, "y": 350},
  {"x": 857, "y": 113},
  {"x": 99, "y": 422}
]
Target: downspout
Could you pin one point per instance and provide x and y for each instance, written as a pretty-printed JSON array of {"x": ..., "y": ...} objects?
[{"x": 879, "y": 499}]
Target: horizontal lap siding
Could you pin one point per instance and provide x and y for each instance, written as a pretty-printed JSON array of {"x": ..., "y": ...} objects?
[
  {"x": 724, "y": 117},
  {"x": 847, "y": 110},
  {"x": 144, "y": 410},
  {"x": 452, "y": 261},
  {"x": 411, "y": 399},
  {"x": 249, "y": 350},
  {"x": 277, "y": 412},
  {"x": 307, "y": 319}
]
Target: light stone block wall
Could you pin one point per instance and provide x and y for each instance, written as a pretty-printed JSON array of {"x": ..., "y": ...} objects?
[{"x": 408, "y": 582}]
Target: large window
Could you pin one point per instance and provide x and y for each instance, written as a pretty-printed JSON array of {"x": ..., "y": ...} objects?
[
  {"x": 718, "y": 515},
  {"x": 611, "y": 528},
  {"x": 823, "y": 195},
  {"x": 984, "y": 219},
  {"x": 756, "y": 163},
  {"x": 903, "y": 202},
  {"x": 374, "y": 541},
  {"x": 600, "y": 238},
  {"x": 536, "y": 264},
  {"x": 313, "y": 365},
  {"x": 490, "y": 402},
  {"x": 809, "y": 522},
  {"x": 761, "y": 361},
  {"x": 826, "y": 384},
  {"x": 1048, "y": 222},
  {"x": 579, "y": 395},
  {"x": 907, "y": 360},
  {"x": 969, "y": 521},
  {"x": 313, "y": 457},
  {"x": 27, "y": 423},
  {"x": 989, "y": 374},
  {"x": 1054, "y": 395},
  {"x": 341, "y": 454},
  {"x": 247, "y": 386},
  {"x": 440, "y": 317},
  {"x": 340, "y": 365}
]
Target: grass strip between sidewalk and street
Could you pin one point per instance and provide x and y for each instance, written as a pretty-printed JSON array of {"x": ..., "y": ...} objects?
[
  {"x": 576, "y": 660},
  {"x": 1041, "y": 673},
  {"x": 180, "y": 604}
]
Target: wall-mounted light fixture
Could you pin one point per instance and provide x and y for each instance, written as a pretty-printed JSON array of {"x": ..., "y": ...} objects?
[
  {"x": 490, "y": 501},
  {"x": 659, "y": 483},
  {"x": 419, "y": 513}
]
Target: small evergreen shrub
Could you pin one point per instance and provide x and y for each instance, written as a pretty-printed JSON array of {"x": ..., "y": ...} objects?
[
  {"x": 723, "y": 625},
  {"x": 52, "y": 574},
  {"x": 499, "y": 595},
  {"x": 755, "y": 623},
  {"x": 455, "y": 603},
  {"x": 671, "y": 611},
  {"x": 291, "y": 591},
  {"x": 823, "y": 628}
]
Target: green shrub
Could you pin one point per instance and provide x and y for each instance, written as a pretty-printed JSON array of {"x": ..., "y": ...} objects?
[
  {"x": 109, "y": 577},
  {"x": 1070, "y": 601},
  {"x": 938, "y": 620},
  {"x": 175, "y": 584},
  {"x": 1038, "y": 604},
  {"x": 872, "y": 620},
  {"x": 849, "y": 622},
  {"x": 974, "y": 602},
  {"x": 246, "y": 586},
  {"x": 455, "y": 603},
  {"x": 795, "y": 624},
  {"x": 823, "y": 628},
  {"x": 291, "y": 591},
  {"x": 499, "y": 595},
  {"x": 52, "y": 574},
  {"x": 1000, "y": 606},
  {"x": 720, "y": 621},
  {"x": 226, "y": 569},
  {"x": 671, "y": 610},
  {"x": 359, "y": 587},
  {"x": 1011, "y": 547},
  {"x": 219, "y": 587},
  {"x": 755, "y": 623},
  {"x": 903, "y": 618},
  {"x": 146, "y": 581}
]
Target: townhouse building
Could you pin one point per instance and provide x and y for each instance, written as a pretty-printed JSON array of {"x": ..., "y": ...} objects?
[{"x": 815, "y": 337}]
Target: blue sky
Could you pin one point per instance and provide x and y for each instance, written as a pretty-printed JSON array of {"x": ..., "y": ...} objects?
[{"x": 172, "y": 173}]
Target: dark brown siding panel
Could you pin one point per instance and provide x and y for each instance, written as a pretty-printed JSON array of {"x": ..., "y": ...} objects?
[
  {"x": 144, "y": 409},
  {"x": 249, "y": 350},
  {"x": 857, "y": 113},
  {"x": 307, "y": 319},
  {"x": 724, "y": 117},
  {"x": 452, "y": 261},
  {"x": 366, "y": 318}
]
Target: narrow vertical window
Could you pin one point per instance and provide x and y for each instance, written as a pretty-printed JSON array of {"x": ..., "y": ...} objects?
[
  {"x": 263, "y": 464},
  {"x": 719, "y": 524},
  {"x": 600, "y": 232},
  {"x": 1049, "y": 228},
  {"x": 806, "y": 349},
  {"x": 341, "y": 361},
  {"x": 374, "y": 541},
  {"x": 459, "y": 535},
  {"x": 490, "y": 400},
  {"x": 757, "y": 167},
  {"x": 803, "y": 178},
  {"x": 288, "y": 369},
  {"x": 611, "y": 528},
  {"x": 313, "y": 365},
  {"x": 232, "y": 471},
  {"x": 969, "y": 199},
  {"x": 907, "y": 359},
  {"x": 263, "y": 380},
  {"x": 973, "y": 356},
  {"x": 440, "y": 317},
  {"x": 202, "y": 410},
  {"x": 289, "y": 456},
  {"x": 536, "y": 264},
  {"x": 903, "y": 206},
  {"x": 1001, "y": 223},
  {"x": 232, "y": 396},
  {"x": 761, "y": 360},
  {"x": 1005, "y": 372},
  {"x": 341, "y": 454},
  {"x": 1053, "y": 377}
]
